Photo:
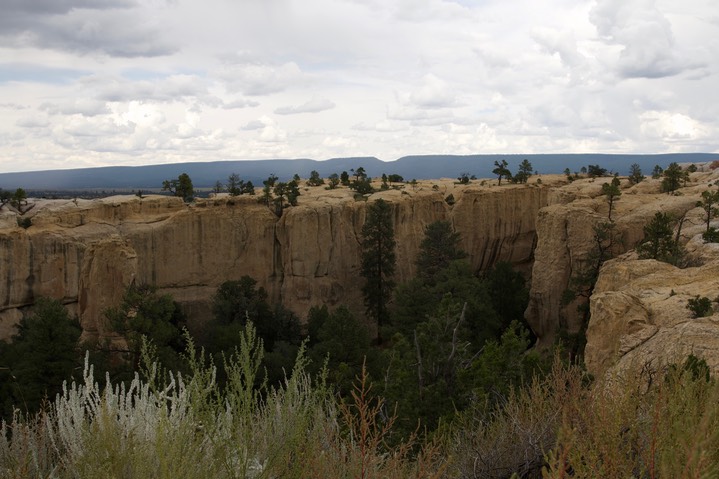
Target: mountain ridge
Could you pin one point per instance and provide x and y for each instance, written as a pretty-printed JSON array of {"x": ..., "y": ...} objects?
[{"x": 206, "y": 174}]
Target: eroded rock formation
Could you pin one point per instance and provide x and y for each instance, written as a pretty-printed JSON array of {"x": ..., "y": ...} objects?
[{"x": 86, "y": 252}]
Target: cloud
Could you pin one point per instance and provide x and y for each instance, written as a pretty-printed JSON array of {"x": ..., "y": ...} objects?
[
  {"x": 314, "y": 105},
  {"x": 117, "y": 28},
  {"x": 241, "y": 103},
  {"x": 563, "y": 43},
  {"x": 254, "y": 79},
  {"x": 383, "y": 126},
  {"x": 648, "y": 47},
  {"x": 671, "y": 126},
  {"x": 432, "y": 93},
  {"x": 79, "y": 106},
  {"x": 33, "y": 121},
  {"x": 170, "y": 88}
]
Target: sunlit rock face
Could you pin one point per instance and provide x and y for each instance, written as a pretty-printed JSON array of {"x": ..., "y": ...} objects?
[{"x": 87, "y": 252}]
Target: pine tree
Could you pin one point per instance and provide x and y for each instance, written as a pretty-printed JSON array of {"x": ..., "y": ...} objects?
[
  {"x": 378, "y": 261},
  {"x": 439, "y": 247}
]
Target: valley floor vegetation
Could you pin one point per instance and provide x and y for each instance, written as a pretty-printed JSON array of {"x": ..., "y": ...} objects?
[{"x": 440, "y": 382}]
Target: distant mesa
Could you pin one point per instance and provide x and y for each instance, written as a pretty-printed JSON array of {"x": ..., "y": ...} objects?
[{"x": 206, "y": 174}]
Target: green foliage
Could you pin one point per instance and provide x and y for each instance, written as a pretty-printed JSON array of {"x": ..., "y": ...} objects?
[
  {"x": 439, "y": 247},
  {"x": 333, "y": 180},
  {"x": 342, "y": 346},
  {"x": 181, "y": 187},
  {"x": 24, "y": 222},
  {"x": 237, "y": 186},
  {"x": 700, "y": 306},
  {"x": 417, "y": 299},
  {"x": 657, "y": 172},
  {"x": 19, "y": 199},
  {"x": 378, "y": 261},
  {"x": 524, "y": 172},
  {"x": 659, "y": 241},
  {"x": 144, "y": 313},
  {"x": 285, "y": 195},
  {"x": 672, "y": 178},
  {"x": 234, "y": 304},
  {"x": 315, "y": 179},
  {"x": 362, "y": 186},
  {"x": 709, "y": 203},
  {"x": 345, "y": 179},
  {"x": 501, "y": 170},
  {"x": 612, "y": 192},
  {"x": 463, "y": 178},
  {"x": 595, "y": 171},
  {"x": 635, "y": 174},
  {"x": 44, "y": 352},
  {"x": 237, "y": 303},
  {"x": 395, "y": 178},
  {"x": 5, "y": 197},
  {"x": 186, "y": 427},
  {"x": 508, "y": 292}
]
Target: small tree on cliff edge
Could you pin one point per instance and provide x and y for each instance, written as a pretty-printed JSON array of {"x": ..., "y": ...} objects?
[
  {"x": 181, "y": 187},
  {"x": 378, "y": 261}
]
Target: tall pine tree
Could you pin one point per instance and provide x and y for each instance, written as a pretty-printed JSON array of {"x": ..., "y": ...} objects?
[{"x": 378, "y": 261}]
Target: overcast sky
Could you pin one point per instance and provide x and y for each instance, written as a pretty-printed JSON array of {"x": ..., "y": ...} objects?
[{"x": 130, "y": 82}]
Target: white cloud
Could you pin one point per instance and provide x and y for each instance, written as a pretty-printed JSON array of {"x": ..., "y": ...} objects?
[
  {"x": 91, "y": 82},
  {"x": 260, "y": 79},
  {"x": 314, "y": 105},
  {"x": 648, "y": 47}
]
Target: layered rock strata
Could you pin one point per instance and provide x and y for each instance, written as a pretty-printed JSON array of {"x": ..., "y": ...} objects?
[{"x": 86, "y": 252}]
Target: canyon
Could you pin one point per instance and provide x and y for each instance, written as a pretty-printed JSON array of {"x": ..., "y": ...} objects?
[{"x": 86, "y": 252}]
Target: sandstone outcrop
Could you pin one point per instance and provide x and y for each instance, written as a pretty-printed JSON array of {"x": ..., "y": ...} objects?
[
  {"x": 86, "y": 252},
  {"x": 639, "y": 315},
  {"x": 565, "y": 240}
]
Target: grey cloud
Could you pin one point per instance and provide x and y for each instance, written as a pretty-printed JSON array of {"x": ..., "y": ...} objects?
[
  {"x": 84, "y": 107},
  {"x": 253, "y": 125},
  {"x": 33, "y": 122},
  {"x": 112, "y": 27},
  {"x": 167, "y": 89},
  {"x": 315, "y": 105},
  {"x": 242, "y": 103}
]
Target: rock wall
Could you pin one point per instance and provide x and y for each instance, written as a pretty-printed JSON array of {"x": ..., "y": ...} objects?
[
  {"x": 565, "y": 239},
  {"x": 86, "y": 252}
]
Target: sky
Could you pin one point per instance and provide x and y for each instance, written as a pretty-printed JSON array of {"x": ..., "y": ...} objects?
[{"x": 88, "y": 83}]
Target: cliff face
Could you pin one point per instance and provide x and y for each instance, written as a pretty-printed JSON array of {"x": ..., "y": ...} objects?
[
  {"x": 86, "y": 252},
  {"x": 566, "y": 240}
]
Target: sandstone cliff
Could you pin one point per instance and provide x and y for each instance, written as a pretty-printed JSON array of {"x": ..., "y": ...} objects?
[
  {"x": 86, "y": 252},
  {"x": 565, "y": 239}
]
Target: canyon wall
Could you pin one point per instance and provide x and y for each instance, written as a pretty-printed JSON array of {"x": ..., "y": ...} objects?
[{"x": 85, "y": 253}]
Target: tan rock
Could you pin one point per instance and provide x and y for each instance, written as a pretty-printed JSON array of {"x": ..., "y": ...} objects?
[{"x": 86, "y": 252}]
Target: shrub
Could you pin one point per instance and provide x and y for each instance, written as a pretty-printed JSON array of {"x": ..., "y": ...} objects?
[{"x": 700, "y": 306}]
